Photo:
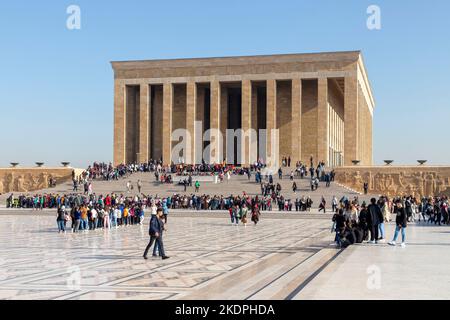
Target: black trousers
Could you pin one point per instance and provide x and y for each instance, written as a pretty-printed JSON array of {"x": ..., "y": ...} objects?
[
  {"x": 159, "y": 243},
  {"x": 373, "y": 232}
]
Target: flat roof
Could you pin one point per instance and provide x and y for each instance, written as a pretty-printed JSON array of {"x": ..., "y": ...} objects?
[{"x": 237, "y": 60}]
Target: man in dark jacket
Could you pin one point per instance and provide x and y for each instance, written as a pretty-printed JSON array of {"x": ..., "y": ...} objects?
[
  {"x": 155, "y": 231},
  {"x": 374, "y": 218},
  {"x": 363, "y": 224},
  {"x": 400, "y": 223}
]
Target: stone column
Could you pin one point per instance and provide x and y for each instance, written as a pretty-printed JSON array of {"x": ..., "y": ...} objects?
[
  {"x": 271, "y": 118},
  {"x": 144, "y": 126},
  {"x": 119, "y": 122},
  {"x": 322, "y": 121},
  {"x": 215, "y": 143},
  {"x": 296, "y": 125},
  {"x": 167, "y": 122},
  {"x": 246, "y": 121},
  {"x": 224, "y": 118},
  {"x": 191, "y": 96},
  {"x": 350, "y": 120}
]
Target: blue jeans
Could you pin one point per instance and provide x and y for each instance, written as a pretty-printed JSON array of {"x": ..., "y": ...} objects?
[
  {"x": 337, "y": 239},
  {"x": 157, "y": 248},
  {"x": 61, "y": 225},
  {"x": 397, "y": 229},
  {"x": 381, "y": 228},
  {"x": 84, "y": 224}
]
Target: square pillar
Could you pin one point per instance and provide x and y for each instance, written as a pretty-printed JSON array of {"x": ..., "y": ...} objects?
[
  {"x": 144, "y": 128},
  {"x": 271, "y": 122},
  {"x": 191, "y": 97},
  {"x": 215, "y": 141},
  {"x": 296, "y": 126},
  {"x": 119, "y": 122},
  {"x": 350, "y": 120},
  {"x": 246, "y": 109},
  {"x": 167, "y": 122},
  {"x": 224, "y": 118},
  {"x": 322, "y": 121}
]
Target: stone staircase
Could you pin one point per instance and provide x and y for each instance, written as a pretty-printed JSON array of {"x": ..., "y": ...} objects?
[{"x": 236, "y": 185}]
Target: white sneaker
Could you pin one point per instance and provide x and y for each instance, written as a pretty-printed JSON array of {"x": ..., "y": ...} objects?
[
  {"x": 372, "y": 242},
  {"x": 382, "y": 240},
  {"x": 392, "y": 243},
  {"x": 403, "y": 245}
]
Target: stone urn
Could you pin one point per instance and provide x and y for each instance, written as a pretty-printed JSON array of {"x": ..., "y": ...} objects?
[
  {"x": 422, "y": 162},
  {"x": 388, "y": 162},
  {"x": 14, "y": 164},
  {"x": 39, "y": 164},
  {"x": 356, "y": 162},
  {"x": 65, "y": 164}
]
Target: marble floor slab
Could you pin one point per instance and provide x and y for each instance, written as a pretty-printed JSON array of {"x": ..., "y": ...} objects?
[{"x": 209, "y": 259}]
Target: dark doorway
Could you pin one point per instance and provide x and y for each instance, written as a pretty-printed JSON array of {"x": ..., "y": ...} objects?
[{"x": 235, "y": 117}]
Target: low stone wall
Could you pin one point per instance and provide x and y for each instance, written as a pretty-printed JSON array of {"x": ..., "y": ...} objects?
[
  {"x": 397, "y": 180},
  {"x": 31, "y": 179}
]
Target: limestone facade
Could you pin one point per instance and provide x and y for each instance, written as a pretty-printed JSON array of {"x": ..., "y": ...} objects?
[{"x": 321, "y": 103}]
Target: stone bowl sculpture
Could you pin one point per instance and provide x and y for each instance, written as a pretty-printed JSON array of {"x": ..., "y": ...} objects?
[
  {"x": 14, "y": 164},
  {"x": 65, "y": 164},
  {"x": 421, "y": 162},
  {"x": 388, "y": 162},
  {"x": 356, "y": 162},
  {"x": 39, "y": 164}
]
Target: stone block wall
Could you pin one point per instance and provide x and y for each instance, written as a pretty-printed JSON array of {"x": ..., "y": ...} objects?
[
  {"x": 31, "y": 179},
  {"x": 397, "y": 180}
]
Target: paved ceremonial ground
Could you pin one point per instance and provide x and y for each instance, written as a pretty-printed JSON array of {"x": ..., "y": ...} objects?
[
  {"x": 419, "y": 271},
  {"x": 286, "y": 256},
  {"x": 209, "y": 258}
]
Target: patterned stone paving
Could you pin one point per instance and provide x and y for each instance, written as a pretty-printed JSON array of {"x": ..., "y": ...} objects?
[{"x": 209, "y": 258}]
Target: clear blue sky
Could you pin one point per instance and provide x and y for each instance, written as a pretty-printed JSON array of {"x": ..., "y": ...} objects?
[{"x": 56, "y": 85}]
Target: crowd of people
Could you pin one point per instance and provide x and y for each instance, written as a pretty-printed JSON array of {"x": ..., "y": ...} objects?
[
  {"x": 355, "y": 223},
  {"x": 352, "y": 221}
]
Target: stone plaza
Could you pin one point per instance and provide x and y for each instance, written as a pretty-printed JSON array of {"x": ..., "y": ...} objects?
[
  {"x": 286, "y": 256},
  {"x": 210, "y": 258}
]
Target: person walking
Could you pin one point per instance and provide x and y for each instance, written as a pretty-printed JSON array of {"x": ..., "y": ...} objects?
[
  {"x": 139, "y": 186},
  {"x": 400, "y": 224},
  {"x": 334, "y": 204},
  {"x": 374, "y": 219},
  {"x": 294, "y": 187},
  {"x": 322, "y": 205},
  {"x": 156, "y": 228}
]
